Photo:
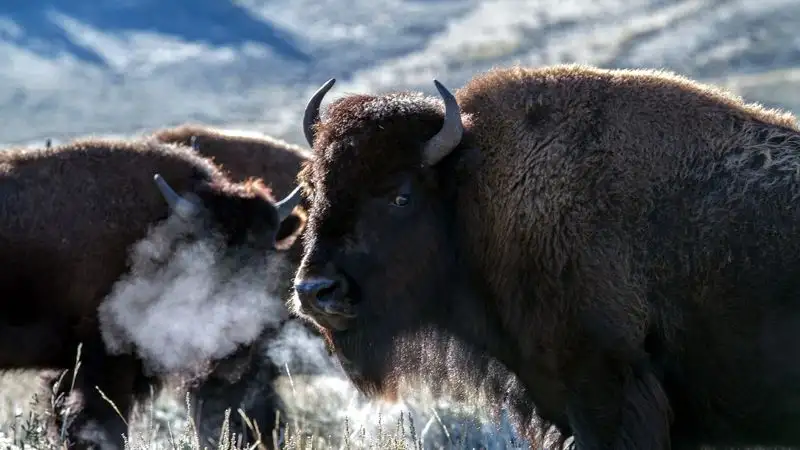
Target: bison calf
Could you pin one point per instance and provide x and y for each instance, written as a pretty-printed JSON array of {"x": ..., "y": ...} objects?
[
  {"x": 69, "y": 215},
  {"x": 627, "y": 242}
]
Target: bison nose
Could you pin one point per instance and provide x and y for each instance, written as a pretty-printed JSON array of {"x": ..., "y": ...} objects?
[
  {"x": 312, "y": 290},
  {"x": 325, "y": 297}
]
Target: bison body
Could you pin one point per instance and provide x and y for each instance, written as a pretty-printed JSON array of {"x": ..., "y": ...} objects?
[
  {"x": 242, "y": 156},
  {"x": 69, "y": 215},
  {"x": 627, "y": 243}
]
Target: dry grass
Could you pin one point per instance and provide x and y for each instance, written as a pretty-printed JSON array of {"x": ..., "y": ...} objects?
[{"x": 324, "y": 412}]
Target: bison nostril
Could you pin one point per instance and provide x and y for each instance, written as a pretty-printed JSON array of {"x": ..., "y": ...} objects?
[
  {"x": 316, "y": 291},
  {"x": 326, "y": 299},
  {"x": 328, "y": 293}
]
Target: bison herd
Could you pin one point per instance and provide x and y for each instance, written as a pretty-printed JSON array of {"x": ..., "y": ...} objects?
[{"x": 624, "y": 244}]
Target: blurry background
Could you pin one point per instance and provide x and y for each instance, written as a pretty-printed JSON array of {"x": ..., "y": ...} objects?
[{"x": 72, "y": 67}]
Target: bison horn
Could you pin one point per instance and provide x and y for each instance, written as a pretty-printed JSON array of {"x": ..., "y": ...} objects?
[
  {"x": 286, "y": 205},
  {"x": 311, "y": 116},
  {"x": 449, "y": 136},
  {"x": 180, "y": 205}
]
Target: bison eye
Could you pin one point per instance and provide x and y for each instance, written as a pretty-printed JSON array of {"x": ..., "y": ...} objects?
[{"x": 401, "y": 200}]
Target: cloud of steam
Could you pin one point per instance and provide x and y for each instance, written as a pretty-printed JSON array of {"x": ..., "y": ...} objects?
[
  {"x": 299, "y": 351},
  {"x": 184, "y": 304}
]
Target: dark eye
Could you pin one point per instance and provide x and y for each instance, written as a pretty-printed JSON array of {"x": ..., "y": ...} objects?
[{"x": 401, "y": 200}]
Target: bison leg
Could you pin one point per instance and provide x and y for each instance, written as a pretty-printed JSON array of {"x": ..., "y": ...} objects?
[
  {"x": 253, "y": 391},
  {"x": 93, "y": 422},
  {"x": 614, "y": 406}
]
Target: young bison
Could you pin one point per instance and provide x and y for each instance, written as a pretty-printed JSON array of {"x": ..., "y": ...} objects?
[
  {"x": 626, "y": 242},
  {"x": 68, "y": 217}
]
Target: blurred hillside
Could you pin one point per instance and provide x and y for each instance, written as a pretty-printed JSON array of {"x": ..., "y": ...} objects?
[{"x": 72, "y": 67}]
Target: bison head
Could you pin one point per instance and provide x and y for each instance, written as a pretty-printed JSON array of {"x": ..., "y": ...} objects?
[
  {"x": 246, "y": 225},
  {"x": 380, "y": 264},
  {"x": 224, "y": 232},
  {"x": 244, "y": 213}
]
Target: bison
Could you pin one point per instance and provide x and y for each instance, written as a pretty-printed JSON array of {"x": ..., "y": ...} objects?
[
  {"x": 241, "y": 156},
  {"x": 68, "y": 217},
  {"x": 625, "y": 242},
  {"x": 245, "y": 380}
]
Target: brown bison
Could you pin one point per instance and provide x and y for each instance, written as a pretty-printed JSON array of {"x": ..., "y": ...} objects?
[
  {"x": 245, "y": 380},
  {"x": 626, "y": 242},
  {"x": 68, "y": 217},
  {"x": 242, "y": 156}
]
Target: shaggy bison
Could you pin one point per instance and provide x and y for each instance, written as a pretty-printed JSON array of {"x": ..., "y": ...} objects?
[
  {"x": 627, "y": 242},
  {"x": 68, "y": 217},
  {"x": 245, "y": 380}
]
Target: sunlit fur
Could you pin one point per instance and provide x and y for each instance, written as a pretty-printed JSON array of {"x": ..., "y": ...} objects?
[
  {"x": 626, "y": 242},
  {"x": 68, "y": 216}
]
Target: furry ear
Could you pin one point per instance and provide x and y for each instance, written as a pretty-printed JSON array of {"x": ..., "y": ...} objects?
[{"x": 290, "y": 229}]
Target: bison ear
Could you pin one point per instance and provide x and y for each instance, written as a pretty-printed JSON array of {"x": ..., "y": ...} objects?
[{"x": 289, "y": 229}]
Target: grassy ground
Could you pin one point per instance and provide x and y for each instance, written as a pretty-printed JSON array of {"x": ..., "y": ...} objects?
[{"x": 325, "y": 412}]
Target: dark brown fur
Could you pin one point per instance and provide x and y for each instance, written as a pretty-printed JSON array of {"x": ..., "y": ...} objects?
[
  {"x": 627, "y": 243},
  {"x": 68, "y": 215}
]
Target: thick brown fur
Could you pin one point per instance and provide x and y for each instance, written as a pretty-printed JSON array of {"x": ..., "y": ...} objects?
[
  {"x": 68, "y": 216},
  {"x": 241, "y": 158},
  {"x": 626, "y": 242}
]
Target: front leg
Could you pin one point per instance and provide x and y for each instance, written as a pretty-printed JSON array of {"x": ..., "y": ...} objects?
[
  {"x": 97, "y": 422},
  {"x": 618, "y": 406}
]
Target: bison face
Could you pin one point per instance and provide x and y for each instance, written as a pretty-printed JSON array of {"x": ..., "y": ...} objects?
[
  {"x": 379, "y": 266},
  {"x": 384, "y": 279},
  {"x": 246, "y": 221},
  {"x": 245, "y": 214}
]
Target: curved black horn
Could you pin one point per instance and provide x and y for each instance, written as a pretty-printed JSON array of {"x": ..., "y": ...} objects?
[
  {"x": 286, "y": 205},
  {"x": 311, "y": 116},
  {"x": 449, "y": 136},
  {"x": 48, "y": 143},
  {"x": 180, "y": 205}
]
